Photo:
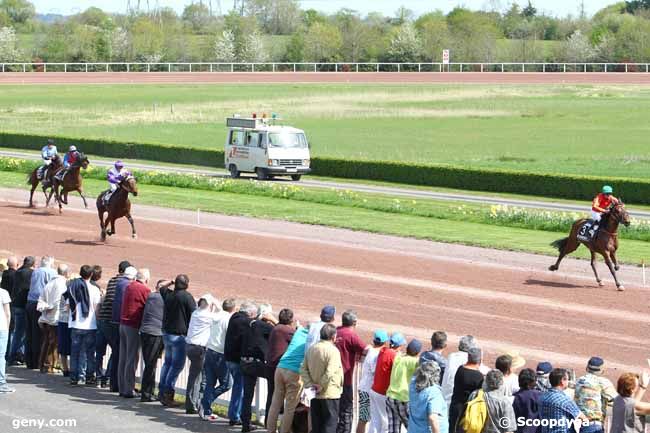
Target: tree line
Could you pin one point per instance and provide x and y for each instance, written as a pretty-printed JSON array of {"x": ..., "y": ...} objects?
[{"x": 279, "y": 30}]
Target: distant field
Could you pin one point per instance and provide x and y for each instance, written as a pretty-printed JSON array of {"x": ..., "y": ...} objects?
[{"x": 596, "y": 130}]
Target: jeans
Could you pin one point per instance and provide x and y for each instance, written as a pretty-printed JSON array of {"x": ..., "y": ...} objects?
[
  {"x": 100, "y": 352},
  {"x": 32, "y": 336},
  {"x": 592, "y": 428},
  {"x": 152, "y": 348},
  {"x": 214, "y": 370},
  {"x": 82, "y": 359},
  {"x": 174, "y": 362},
  {"x": 196, "y": 355},
  {"x": 18, "y": 335},
  {"x": 237, "y": 395},
  {"x": 4, "y": 337},
  {"x": 111, "y": 332}
]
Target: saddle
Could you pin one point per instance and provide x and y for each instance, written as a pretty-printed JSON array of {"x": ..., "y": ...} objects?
[{"x": 588, "y": 231}]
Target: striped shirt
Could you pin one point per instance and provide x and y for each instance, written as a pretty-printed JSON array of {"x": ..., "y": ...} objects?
[{"x": 106, "y": 311}]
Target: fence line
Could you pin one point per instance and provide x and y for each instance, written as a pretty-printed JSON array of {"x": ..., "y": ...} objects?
[{"x": 217, "y": 67}]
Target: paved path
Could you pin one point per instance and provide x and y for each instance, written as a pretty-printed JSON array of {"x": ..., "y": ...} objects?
[
  {"x": 40, "y": 398},
  {"x": 342, "y": 185}
]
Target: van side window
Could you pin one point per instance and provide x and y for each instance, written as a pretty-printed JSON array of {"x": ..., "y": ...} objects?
[
  {"x": 237, "y": 138},
  {"x": 253, "y": 139}
]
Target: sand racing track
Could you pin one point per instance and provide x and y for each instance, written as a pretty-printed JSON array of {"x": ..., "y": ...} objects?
[{"x": 505, "y": 299}]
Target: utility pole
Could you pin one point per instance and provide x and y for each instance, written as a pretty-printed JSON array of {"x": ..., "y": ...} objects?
[{"x": 582, "y": 13}]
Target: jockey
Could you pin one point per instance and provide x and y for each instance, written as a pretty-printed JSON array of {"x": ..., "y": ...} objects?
[
  {"x": 48, "y": 152},
  {"x": 116, "y": 174},
  {"x": 601, "y": 205},
  {"x": 70, "y": 158}
]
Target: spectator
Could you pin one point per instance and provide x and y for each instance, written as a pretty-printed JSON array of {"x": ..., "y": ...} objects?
[
  {"x": 238, "y": 324},
  {"x": 379, "y": 340},
  {"x": 593, "y": 393},
  {"x": 397, "y": 396},
  {"x": 322, "y": 372},
  {"x": 5, "y": 319},
  {"x": 151, "y": 341},
  {"x": 508, "y": 364},
  {"x": 63, "y": 335},
  {"x": 556, "y": 405},
  {"x": 526, "y": 400},
  {"x": 22, "y": 279},
  {"x": 179, "y": 306},
  {"x": 198, "y": 334},
  {"x": 288, "y": 383},
  {"x": 215, "y": 368},
  {"x": 326, "y": 316},
  {"x": 40, "y": 277},
  {"x": 543, "y": 371},
  {"x": 133, "y": 301},
  {"x": 83, "y": 299},
  {"x": 101, "y": 341},
  {"x": 467, "y": 380},
  {"x": 110, "y": 329},
  {"x": 629, "y": 412},
  {"x": 455, "y": 360},
  {"x": 500, "y": 414},
  {"x": 7, "y": 283},
  {"x": 48, "y": 305},
  {"x": 381, "y": 382},
  {"x": 436, "y": 354},
  {"x": 255, "y": 346},
  {"x": 279, "y": 340},
  {"x": 351, "y": 347},
  {"x": 427, "y": 407}
]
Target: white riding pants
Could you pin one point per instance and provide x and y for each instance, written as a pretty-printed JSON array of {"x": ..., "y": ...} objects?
[{"x": 595, "y": 216}]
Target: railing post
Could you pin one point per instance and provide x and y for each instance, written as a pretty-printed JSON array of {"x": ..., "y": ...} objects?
[
  {"x": 252, "y": 67},
  {"x": 273, "y": 67},
  {"x": 564, "y": 67},
  {"x": 65, "y": 67},
  {"x": 523, "y": 67},
  {"x": 190, "y": 67},
  {"x": 399, "y": 69},
  {"x": 314, "y": 67},
  {"x": 107, "y": 67},
  {"x": 128, "y": 67},
  {"x": 148, "y": 67},
  {"x": 45, "y": 67},
  {"x": 336, "y": 67},
  {"x": 232, "y": 67},
  {"x": 626, "y": 68},
  {"x": 502, "y": 70},
  {"x": 358, "y": 67},
  {"x": 294, "y": 67},
  {"x": 377, "y": 67}
]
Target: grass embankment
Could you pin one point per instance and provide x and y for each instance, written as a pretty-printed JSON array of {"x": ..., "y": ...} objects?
[
  {"x": 485, "y": 226},
  {"x": 589, "y": 130}
]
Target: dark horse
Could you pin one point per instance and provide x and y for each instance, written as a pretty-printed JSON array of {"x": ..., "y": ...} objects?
[
  {"x": 71, "y": 182},
  {"x": 33, "y": 179},
  {"x": 605, "y": 242},
  {"x": 118, "y": 206}
]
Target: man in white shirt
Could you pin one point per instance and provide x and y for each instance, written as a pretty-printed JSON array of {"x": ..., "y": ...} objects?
[
  {"x": 5, "y": 319},
  {"x": 83, "y": 299},
  {"x": 368, "y": 367},
  {"x": 326, "y": 316},
  {"x": 48, "y": 305},
  {"x": 214, "y": 367}
]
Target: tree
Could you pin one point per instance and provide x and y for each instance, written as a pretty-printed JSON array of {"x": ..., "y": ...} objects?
[
  {"x": 146, "y": 40},
  {"x": 95, "y": 17},
  {"x": 8, "y": 45},
  {"x": 578, "y": 48},
  {"x": 19, "y": 11},
  {"x": 633, "y": 6},
  {"x": 473, "y": 34},
  {"x": 296, "y": 48},
  {"x": 254, "y": 50},
  {"x": 403, "y": 15},
  {"x": 435, "y": 35},
  {"x": 224, "y": 47},
  {"x": 529, "y": 11},
  {"x": 354, "y": 34},
  {"x": 276, "y": 17},
  {"x": 197, "y": 16},
  {"x": 322, "y": 42},
  {"x": 405, "y": 45}
]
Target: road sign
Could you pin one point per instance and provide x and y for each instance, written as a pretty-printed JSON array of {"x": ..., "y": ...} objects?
[{"x": 445, "y": 57}]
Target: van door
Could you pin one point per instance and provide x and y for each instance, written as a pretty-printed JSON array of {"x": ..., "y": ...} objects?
[
  {"x": 238, "y": 153},
  {"x": 255, "y": 144}
]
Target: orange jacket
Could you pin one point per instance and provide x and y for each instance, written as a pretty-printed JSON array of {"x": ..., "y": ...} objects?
[{"x": 602, "y": 202}]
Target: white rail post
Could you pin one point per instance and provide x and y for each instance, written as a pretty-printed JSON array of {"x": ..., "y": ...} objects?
[
  {"x": 377, "y": 67},
  {"x": 190, "y": 67},
  {"x": 148, "y": 67},
  {"x": 358, "y": 67},
  {"x": 565, "y": 67},
  {"x": 86, "y": 67},
  {"x": 502, "y": 70},
  {"x": 65, "y": 67},
  {"x": 314, "y": 67},
  {"x": 106, "y": 67},
  {"x": 273, "y": 67},
  {"x": 128, "y": 67},
  {"x": 232, "y": 67},
  {"x": 294, "y": 67},
  {"x": 45, "y": 67},
  {"x": 626, "y": 67}
]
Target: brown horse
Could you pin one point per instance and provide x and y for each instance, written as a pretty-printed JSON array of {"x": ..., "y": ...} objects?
[
  {"x": 118, "y": 206},
  {"x": 71, "y": 182},
  {"x": 605, "y": 242},
  {"x": 33, "y": 179}
]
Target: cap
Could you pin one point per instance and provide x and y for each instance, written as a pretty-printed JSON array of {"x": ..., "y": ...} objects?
[
  {"x": 380, "y": 337},
  {"x": 130, "y": 273},
  {"x": 397, "y": 340},
  {"x": 595, "y": 364},
  {"x": 414, "y": 347},
  {"x": 327, "y": 313},
  {"x": 544, "y": 368}
]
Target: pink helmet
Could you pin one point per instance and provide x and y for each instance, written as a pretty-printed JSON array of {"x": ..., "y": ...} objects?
[{"x": 119, "y": 165}]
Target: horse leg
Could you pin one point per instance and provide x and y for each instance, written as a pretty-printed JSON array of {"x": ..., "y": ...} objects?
[
  {"x": 615, "y": 260},
  {"x": 593, "y": 266},
  {"x": 31, "y": 196},
  {"x": 610, "y": 265},
  {"x": 102, "y": 226},
  {"x": 111, "y": 232},
  {"x": 130, "y": 218},
  {"x": 570, "y": 246},
  {"x": 82, "y": 197}
]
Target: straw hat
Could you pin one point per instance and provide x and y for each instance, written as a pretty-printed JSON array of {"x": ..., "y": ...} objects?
[{"x": 517, "y": 360}]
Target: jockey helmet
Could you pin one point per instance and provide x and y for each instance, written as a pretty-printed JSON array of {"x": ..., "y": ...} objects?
[
  {"x": 50, "y": 142},
  {"x": 73, "y": 148},
  {"x": 608, "y": 189},
  {"x": 119, "y": 165}
]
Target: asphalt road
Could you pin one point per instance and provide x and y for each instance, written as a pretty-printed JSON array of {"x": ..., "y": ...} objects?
[{"x": 399, "y": 192}]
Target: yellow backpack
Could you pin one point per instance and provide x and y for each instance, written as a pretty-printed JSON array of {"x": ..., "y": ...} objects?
[{"x": 475, "y": 414}]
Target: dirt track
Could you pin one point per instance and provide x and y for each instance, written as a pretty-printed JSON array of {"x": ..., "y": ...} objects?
[
  {"x": 322, "y": 77},
  {"x": 505, "y": 299}
]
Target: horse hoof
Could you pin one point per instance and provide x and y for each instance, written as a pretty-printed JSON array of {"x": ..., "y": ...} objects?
[
  {"x": 617, "y": 268},
  {"x": 620, "y": 288},
  {"x": 134, "y": 236},
  {"x": 601, "y": 284},
  {"x": 552, "y": 268}
]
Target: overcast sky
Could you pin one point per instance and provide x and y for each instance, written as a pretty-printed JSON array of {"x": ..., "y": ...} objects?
[{"x": 388, "y": 7}]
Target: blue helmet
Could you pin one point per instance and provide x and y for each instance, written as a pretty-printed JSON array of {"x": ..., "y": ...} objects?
[{"x": 119, "y": 165}]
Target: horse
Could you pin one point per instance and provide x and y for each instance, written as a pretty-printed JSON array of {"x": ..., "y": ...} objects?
[
  {"x": 33, "y": 179},
  {"x": 71, "y": 182},
  {"x": 118, "y": 206},
  {"x": 605, "y": 242}
]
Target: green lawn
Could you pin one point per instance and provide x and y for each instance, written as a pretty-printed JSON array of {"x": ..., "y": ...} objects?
[{"x": 595, "y": 130}]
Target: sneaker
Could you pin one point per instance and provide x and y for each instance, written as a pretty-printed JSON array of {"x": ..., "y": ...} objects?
[
  {"x": 74, "y": 382},
  {"x": 6, "y": 389},
  {"x": 91, "y": 381},
  {"x": 81, "y": 382},
  {"x": 104, "y": 383}
]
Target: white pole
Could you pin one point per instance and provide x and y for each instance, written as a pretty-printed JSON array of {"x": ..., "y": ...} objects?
[
  {"x": 198, "y": 217},
  {"x": 643, "y": 268}
]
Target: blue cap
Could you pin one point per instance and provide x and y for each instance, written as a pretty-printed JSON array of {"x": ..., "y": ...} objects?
[
  {"x": 544, "y": 368},
  {"x": 414, "y": 347},
  {"x": 380, "y": 337},
  {"x": 397, "y": 339},
  {"x": 595, "y": 364},
  {"x": 327, "y": 313}
]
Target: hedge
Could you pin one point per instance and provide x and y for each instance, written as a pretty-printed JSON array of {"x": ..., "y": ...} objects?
[{"x": 439, "y": 175}]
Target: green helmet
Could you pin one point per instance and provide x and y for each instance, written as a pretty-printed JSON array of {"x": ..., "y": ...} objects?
[{"x": 608, "y": 189}]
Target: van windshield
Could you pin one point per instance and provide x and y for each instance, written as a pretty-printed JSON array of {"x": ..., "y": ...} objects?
[{"x": 288, "y": 140}]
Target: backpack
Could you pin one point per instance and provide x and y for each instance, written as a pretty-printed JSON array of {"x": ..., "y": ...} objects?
[{"x": 475, "y": 414}]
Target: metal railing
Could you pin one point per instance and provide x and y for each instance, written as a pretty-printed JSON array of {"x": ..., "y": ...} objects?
[{"x": 216, "y": 67}]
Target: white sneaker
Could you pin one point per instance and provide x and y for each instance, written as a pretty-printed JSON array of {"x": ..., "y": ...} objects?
[{"x": 6, "y": 389}]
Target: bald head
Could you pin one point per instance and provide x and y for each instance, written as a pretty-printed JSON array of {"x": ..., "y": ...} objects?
[
  {"x": 63, "y": 270},
  {"x": 12, "y": 262}
]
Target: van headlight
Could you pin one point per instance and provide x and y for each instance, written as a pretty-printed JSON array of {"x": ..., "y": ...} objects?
[
  {"x": 305, "y": 163},
  {"x": 273, "y": 162}
]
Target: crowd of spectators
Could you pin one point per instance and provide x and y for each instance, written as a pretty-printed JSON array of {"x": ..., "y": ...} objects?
[{"x": 60, "y": 323}]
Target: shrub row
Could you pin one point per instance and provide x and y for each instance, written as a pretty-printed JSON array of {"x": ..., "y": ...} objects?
[{"x": 504, "y": 181}]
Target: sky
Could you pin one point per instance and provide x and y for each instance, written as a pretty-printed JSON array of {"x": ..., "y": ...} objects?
[{"x": 388, "y": 7}]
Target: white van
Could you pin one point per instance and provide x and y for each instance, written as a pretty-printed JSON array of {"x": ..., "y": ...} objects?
[{"x": 257, "y": 145}]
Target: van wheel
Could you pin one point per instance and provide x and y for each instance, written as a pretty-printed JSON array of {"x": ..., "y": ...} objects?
[
  {"x": 261, "y": 174},
  {"x": 296, "y": 177},
  {"x": 234, "y": 173}
]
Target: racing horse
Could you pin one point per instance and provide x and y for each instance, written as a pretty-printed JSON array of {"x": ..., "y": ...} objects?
[
  {"x": 604, "y": 243},
  {"x": 33, "y": 179},
  {"x": 71, "y": 182},
  {"x": 118, "y": 206}
]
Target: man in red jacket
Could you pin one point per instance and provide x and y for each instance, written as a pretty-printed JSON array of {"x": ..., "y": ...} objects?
[{"x": 133, "y": 301}]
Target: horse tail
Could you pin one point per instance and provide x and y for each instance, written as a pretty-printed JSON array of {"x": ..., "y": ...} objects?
[{"x": 560, "y": 244}]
